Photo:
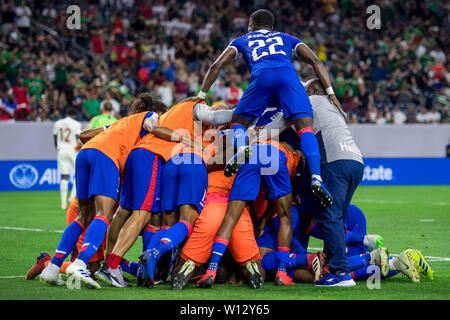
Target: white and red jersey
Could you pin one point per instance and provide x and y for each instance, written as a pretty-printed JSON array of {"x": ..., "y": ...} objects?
[{"x": 66, "y": 131}]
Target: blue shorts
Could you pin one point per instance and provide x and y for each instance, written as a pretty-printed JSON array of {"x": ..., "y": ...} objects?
[
  {"x": 184, "y": 182},
  {"x": 274, "y": 87},
  {"x": 355, "y": 221},
  {"x": 141, "y": 188},
  {"x": 96, "y": 175},
  {"x": 267, "y": 163}
]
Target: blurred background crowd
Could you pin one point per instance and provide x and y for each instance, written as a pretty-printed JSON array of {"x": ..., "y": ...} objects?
[{"x": 397, "y": 74}]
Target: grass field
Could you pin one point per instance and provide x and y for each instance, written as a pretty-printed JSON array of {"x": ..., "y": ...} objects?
[{"x": 407, "y": 217}]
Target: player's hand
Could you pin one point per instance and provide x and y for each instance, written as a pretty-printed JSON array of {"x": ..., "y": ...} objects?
[{"x": 193, "y": 99}]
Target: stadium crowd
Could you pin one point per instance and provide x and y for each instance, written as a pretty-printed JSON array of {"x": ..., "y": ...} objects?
[{"x": 399, "y": 74}]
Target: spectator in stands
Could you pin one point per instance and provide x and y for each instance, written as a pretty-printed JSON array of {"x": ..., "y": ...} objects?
[
  {"x": 423, "y": 116},
  {"x": 411, "y": 116},
  {"x": 434, "y": 116},
  {"x": 91, "y": 105},
  {"x": 398, "y": 116}
]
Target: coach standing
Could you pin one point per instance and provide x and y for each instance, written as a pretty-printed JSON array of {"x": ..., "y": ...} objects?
[{"x": 342, "y": 170}]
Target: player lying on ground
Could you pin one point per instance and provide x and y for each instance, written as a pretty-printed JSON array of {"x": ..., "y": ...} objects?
[{"x": 242, "y": 245}]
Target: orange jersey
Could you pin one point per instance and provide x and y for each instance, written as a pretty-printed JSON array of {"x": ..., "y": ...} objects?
[
  {"x": 116, "y": 142},
  {"x": 292, "y": 157},
  {"x": 218, "y": 183},
  {"x": 180, "y": 118}
]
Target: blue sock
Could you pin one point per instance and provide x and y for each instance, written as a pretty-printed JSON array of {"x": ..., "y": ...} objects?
[
  {"x": 130, "y": 267},
  {"x": 147, "y": 235},
  {"x": 358, "y": 261},
  {"x": 174, "y": 236},
  {"x": 218, "y": 249},
  {"x": 362, "y": 273},
  {"x": 155, "y": 238},
  {"x": 68, "y": 242},
  {"x": 310, "y": 148},
  {"x": 296, "y": 247},
  {"x": 316, "y": 232},
  {"x": 297, "y": 260},
  {"x": 238, "y": 135},
  {"x": 354, "y": 238},
  {"x": 283, "y": 258},
  {"x": 269, "y": 261},
  {"x": 93, "y": 239}
]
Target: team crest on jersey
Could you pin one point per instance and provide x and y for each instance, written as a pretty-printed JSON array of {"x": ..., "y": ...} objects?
[{"x": 23, "y": 176}]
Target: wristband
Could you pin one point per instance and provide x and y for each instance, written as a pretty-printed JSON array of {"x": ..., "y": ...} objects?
[
  {"x": 329, "y": 91},
  {"x": 201, "y": 95}
]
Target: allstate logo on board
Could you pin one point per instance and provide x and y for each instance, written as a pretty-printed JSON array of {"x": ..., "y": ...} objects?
[{"x": 23, "y": 176}]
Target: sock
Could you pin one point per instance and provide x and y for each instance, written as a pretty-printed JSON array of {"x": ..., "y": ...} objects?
[
  {"x": 62, "y": 268},
  {"x": 297, "y": 260},
  {"x": 238, "y": 135},
  {"x": 130, "y": 267},
  {"x": 354, "y": 238},
  {"x": 73, "y": 192},
  {"x": 93, "y": 238},
  {"x": 361, "y": 273},
  {"x": 147, "y": 235},
  {"x": 156, "y": 237},
  {"x": 269, "y": 261},
  {"x": 358, "y": 261},
  {"x": 218, "y": 249},
  {"x": 68, "y": 242},
  {"x": 296, "y": 247},
  {"x": 174, "y": 236},
  {"x": 283, "y": 258},
  {"x": 310, "y": 148},
  {"x": 113, "y": 261},
  {"x": 63, "y": 187}
]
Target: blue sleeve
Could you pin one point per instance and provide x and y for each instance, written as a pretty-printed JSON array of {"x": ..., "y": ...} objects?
[
  {"x": 237, "y": 44},
  {"x": 143, "y": 131}
]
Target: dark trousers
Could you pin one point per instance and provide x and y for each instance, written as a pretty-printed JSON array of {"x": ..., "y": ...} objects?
[{"x": 341, "y": 178}]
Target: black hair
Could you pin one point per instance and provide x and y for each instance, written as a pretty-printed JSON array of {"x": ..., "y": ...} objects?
[
  {"x": 145, "y": 102},
  {"x": 71, "y": 112},
  {"x": 262, "y": 18}
]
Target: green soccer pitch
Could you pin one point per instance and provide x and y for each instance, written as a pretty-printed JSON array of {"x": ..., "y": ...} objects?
[{"x": 406, "y": 217}]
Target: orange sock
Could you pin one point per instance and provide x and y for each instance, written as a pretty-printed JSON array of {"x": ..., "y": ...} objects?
[{"x": 64, "y": 266}]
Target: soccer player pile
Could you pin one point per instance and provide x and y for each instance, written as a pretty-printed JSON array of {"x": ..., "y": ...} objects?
[{"x": 223, "y": 195}]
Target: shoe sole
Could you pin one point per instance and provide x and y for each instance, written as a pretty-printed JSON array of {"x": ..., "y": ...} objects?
[
  {"x": 233, "y": 166},
  {"x": 280, "y": 283},
  {"x": 207, "y": 283},
  {"x": 103, "y": 277},
  {"x": 384, "y": 264},
  {"x": 324, "y": 199},
  {"x": 182, "y": 278},
  {"x": 345, "y": 283},
  {"x": 411, "y": 271},
  {"x": 89, "y": 283},
  {"x": 256, "y": 280}
]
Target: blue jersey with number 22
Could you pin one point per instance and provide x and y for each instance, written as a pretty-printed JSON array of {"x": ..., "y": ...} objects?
[{"x": 266, "y": 49}]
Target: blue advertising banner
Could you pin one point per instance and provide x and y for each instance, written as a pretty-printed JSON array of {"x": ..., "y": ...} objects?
[
  {"x": 42, "y": 175},
  {"x": 34, "y": 175},
  {"x": 406, "y": 171}
]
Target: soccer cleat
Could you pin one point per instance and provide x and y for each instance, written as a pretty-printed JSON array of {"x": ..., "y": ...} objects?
[
  {"x": 405, "y": 264},
  {"x": 207, "y": 280},
  {"x": 335, "y": 280},
  {"x": 113, "y": 277},
  {"x": 237, "y": 160},
  {"x": 51, "y": 276},
  {"x": 181, "y": 279},
  {"x": 282, "y": 279},
  {"x": 319, "y": 190},
  {"x": 39, "y": 266},
  {"x": 420, "y": 263},
  {"x": 380, "y": 258},
  {"x": 373, "y": 241},
  {"x": 318, "y": 264},
  {"x": 256, "y": 279},
  {"x": 144, "y": 279},
  {"x": 78, "y": 271}
]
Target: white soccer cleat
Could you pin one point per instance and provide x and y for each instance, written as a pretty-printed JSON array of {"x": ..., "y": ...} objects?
[
  {"x": 380, "y": 257},
  {"x": 404, "y": 263},
  {"x": 373, "y": 241},
  {"x": 79, "y": 271},
  {"x": 51, "y": 275}
]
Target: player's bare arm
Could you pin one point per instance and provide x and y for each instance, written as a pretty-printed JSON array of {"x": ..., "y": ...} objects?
[{"x": 307, "y": 55}]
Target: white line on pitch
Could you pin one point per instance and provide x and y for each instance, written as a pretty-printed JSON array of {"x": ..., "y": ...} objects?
[
  {"x": 12, "y": 277},
  {"x": 29, "y": 229},
  {"x": 437, "y": 203}
]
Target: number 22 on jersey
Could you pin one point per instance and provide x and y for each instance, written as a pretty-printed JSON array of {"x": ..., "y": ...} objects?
[{"x": 272, "y": 43}]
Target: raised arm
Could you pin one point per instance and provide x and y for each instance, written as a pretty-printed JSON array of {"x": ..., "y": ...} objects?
[
  {"x": 213, "y": 72},
  {"x": 305, "y": 54}
]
